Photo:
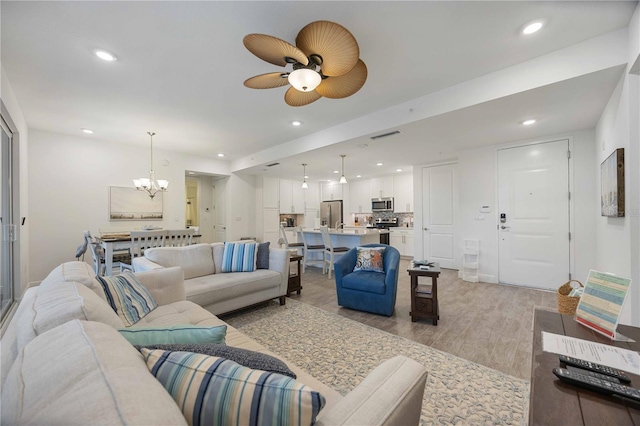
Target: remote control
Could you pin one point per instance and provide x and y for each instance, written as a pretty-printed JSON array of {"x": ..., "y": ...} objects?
[
  {"x": 598, "y": 368},
  {"x": 593, "y": 374},
  {"x": 597, "y": 385}
]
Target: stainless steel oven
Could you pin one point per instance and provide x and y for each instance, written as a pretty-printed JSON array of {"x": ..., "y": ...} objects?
[
  {"x": 382, "y": 204},
  {"x": 386, "y": 224}
]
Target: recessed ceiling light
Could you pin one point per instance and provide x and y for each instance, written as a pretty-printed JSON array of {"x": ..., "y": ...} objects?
[
  {"x": 528, "y": 122},
  {"x": 306, "y": 176},
  {"x": 220, "y": 154},
  {"x": 532, "y": 28},
  {"x": 336, "y": 171},
  {"x": 105, "y": 56},
  {"x": 88, "y": 131},
  {"x": 192, "y": 173},
  {"x": 358, "y": 176},
  {"x": 378, "y": 164},
  {"x": 296, "y": 123},
  {"x": 398, "y": 170}
]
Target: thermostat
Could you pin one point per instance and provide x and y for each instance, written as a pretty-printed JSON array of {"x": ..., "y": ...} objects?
[{"x": 485, "y": 209}]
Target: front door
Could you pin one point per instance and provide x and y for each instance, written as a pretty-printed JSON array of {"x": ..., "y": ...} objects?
[
  {"x": 439, "y": 206},
  {"x": 533, "y": 204}
]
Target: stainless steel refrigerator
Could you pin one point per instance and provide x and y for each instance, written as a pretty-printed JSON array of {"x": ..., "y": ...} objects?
[{"x": 331, "y": 213}]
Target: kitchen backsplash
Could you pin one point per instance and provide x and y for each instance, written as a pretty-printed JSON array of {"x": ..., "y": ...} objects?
[{"x": 403, "y": 218}]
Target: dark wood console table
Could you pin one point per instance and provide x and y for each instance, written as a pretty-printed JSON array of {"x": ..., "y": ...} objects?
[
  {"x": 295, "y": 283},
  {"x": 555, "y": 403}
]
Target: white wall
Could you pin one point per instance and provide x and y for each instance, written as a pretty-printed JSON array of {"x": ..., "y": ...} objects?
[
  {"x": 15, "y": 112},
  {"x": 477, "y": 172},
  {"x": 69, "y": 178},
  {"x": 618, "y": 242}
]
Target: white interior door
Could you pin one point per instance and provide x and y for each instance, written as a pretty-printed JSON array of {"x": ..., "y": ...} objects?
[
  {"x": 533, "y": 196},
  {"x": 219, "y": 191},
  {"x": 439, "y": 207}
]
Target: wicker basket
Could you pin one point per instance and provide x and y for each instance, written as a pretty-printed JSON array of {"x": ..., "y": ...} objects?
[{"x": 567, "y": 305}]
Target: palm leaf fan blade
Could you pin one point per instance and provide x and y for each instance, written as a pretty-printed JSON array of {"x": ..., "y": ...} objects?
[{"x": 273, "y": 50}]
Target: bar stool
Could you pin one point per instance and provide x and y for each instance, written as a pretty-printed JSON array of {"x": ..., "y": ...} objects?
[
  {"x": 293, "y": 247},
  {"x": 308, "y": 248},
  {"x": 330, "y": 252}
]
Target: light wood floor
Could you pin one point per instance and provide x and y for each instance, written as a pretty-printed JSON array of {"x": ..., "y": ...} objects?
[{"x": 489, "y": 324}]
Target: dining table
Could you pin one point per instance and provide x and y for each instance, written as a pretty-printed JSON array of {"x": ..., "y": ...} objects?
[{"x": 111, "y": 243}]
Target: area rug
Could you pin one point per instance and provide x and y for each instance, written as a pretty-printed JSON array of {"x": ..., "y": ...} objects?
[{"x": 341, "y": 352}]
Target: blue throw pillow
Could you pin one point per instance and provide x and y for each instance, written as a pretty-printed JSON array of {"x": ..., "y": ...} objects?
[
  {"x": 128, "y": 297},
  {"x": 216, "y": 391},
  {"x": 174, "y": 334},
  {"x": 239, "y": 257},
  {"x": 262, "y": 261},
  {"x": 245, "y": 357}
]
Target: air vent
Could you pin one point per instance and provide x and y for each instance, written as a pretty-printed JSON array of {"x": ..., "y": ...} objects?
[
  {"x": 384, "y": 135},
  {"x": 272, "y": 164}
]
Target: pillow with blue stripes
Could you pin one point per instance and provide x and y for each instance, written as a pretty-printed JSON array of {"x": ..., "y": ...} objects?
[
  {"x": 239, "y": 257},
  {"x": 174, "y": 334},
  {"x": 128, "y": 297},
  {"x": 217, "y": 391}
]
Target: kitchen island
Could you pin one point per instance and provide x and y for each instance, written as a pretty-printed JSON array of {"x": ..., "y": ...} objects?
[
  {"x": 341, "y": 238},
  {"x": 345, "y": 237}
]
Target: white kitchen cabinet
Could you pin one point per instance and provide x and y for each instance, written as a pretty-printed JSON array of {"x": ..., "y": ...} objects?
[
  {"x": 286, "y": 203},
  {"x": 270, "y": 192},
  {"x": 360, "y": 196},
  {"x": 271, "y": 226},
  {"x": 312, "y": 196},
  {"x": 298, "y": 197},
  {"x": 332, "y": 191},
  {"x": 402, "y": 239},
  {"x": 291, "y": 197},
  {"x": 382, "y": 187},
  {"x": 403, "y": 193}
]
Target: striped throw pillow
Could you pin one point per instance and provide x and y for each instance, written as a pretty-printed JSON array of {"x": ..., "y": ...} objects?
[
  {"x": 239, "y": 257},
  {"x": 216, "y": 391},
  {"x": 128, "y": 297}
]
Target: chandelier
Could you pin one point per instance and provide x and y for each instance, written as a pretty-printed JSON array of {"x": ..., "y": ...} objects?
[{"x": 150, "y": 184}]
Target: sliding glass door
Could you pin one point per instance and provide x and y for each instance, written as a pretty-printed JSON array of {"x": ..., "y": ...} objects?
[{"x": 6, "y": 220}]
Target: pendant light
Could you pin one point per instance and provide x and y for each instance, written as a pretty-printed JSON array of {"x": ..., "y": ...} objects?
[
  {"x": 151, "y": 185},
  {"x": 304, "y": 176},
  {"x": 342, "y": 178}
]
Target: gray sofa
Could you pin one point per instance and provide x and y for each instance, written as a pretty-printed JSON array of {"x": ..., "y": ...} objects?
[
  {"x": 63, "y": 361},
  {"x": 205, "y": 283}
]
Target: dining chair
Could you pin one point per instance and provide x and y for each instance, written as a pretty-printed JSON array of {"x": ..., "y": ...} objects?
[
  {"x": 318, "y": 248},
  {"x": 142, "y": 240},
  {"x": 120, "y": 259},
  {"x": 179, "y": 237},
  {"x": 287, "y": 245},
  {"x": 330, "y": 252}
]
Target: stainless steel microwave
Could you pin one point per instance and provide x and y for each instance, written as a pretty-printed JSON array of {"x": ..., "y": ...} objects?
[{"x": 382, "y": 204}]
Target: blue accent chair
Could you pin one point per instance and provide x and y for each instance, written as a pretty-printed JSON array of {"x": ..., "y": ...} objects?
[{"x": 368, "y": 291}]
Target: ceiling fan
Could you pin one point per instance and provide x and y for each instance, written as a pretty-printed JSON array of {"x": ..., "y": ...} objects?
[{"x": 325, "y": 63}]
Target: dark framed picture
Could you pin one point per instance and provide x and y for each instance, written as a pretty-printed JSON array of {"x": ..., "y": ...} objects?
[{"x": 612, "y": 185}]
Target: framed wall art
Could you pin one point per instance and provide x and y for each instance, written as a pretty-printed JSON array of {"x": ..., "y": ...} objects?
[
  {"x": 127, "y": 203},
  {"x": 612, "y": 185}
]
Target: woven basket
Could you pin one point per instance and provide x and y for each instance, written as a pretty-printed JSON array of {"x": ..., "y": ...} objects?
[{"x": 567, "y": 305}]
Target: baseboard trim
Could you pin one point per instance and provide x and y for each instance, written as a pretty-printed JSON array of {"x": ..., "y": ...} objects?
[{"x": 491, "y": 279}]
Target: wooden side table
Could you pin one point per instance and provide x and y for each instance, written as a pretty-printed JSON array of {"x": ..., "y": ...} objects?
[
  {"x": 424, "y": 304},
  {"x": 295, "y": 283}
]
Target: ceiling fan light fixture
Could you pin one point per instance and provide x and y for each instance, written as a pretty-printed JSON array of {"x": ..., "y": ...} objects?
[{"x": 304, "y": 79}]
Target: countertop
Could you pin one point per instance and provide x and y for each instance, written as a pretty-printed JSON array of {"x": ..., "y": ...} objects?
[{"x": 349, "y": 231}]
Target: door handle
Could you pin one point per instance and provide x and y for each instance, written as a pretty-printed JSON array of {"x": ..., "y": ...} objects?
[
  {"x": 504, "y": 227},
  {"x": 425, "y": 228}
]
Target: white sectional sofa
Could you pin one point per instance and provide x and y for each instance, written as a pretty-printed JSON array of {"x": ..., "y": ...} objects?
[
  {"x": 206, "y": 284},
  {"x": 64, "y": 362}
]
